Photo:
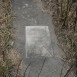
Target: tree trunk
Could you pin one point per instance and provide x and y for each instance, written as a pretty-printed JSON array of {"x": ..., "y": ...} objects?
[
  {"x": 75, "y": 22},
  {"x": 61, "y": 8},
  {"x": 57, "y": 3},
  {"x": 64, "y": 23}
]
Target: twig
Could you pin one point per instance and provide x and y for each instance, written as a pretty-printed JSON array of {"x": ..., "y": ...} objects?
[
  {"x": 29, "y": 73},
  {"x": 62, "y": 70},
  {"x": 18, "y": 67},
  {"x": 68, "y": 71},
  {"x": 26, "y": 69},
  {"x": 42, "y": 67}
]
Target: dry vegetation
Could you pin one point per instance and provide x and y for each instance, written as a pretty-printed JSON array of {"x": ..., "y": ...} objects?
[
  {"x": 10, "y": 59},
  {"x": 5, "y": 36},
  {"x": 64, "y": 13}
]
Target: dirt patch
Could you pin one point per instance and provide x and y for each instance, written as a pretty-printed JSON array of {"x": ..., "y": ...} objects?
[{"x": 17, "y": 61}]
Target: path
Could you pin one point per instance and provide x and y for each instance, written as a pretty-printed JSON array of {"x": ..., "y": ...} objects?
[{"x": 29, "y": 13}]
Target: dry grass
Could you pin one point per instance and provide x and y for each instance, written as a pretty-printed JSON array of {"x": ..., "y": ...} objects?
[
  {"x": 67, "y": 36},
  {"x": 5, "y": 37},
  {"x": 9, "y": 57},
  {"x": 5, "y": 27}
]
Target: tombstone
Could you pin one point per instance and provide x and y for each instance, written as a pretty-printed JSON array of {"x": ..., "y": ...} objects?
[{"x": 37, "y": 41}]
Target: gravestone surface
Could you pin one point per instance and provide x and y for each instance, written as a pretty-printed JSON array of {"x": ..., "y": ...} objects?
[{"x": 37, "y": 41}]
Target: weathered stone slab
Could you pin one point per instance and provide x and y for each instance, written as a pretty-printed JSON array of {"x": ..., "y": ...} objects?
[{"x": 37, "y": 41}]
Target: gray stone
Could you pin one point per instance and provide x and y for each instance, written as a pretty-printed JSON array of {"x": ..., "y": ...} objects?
[
  {"x": 38, "y": 41},
  {"x": 34, "y": 16}
]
